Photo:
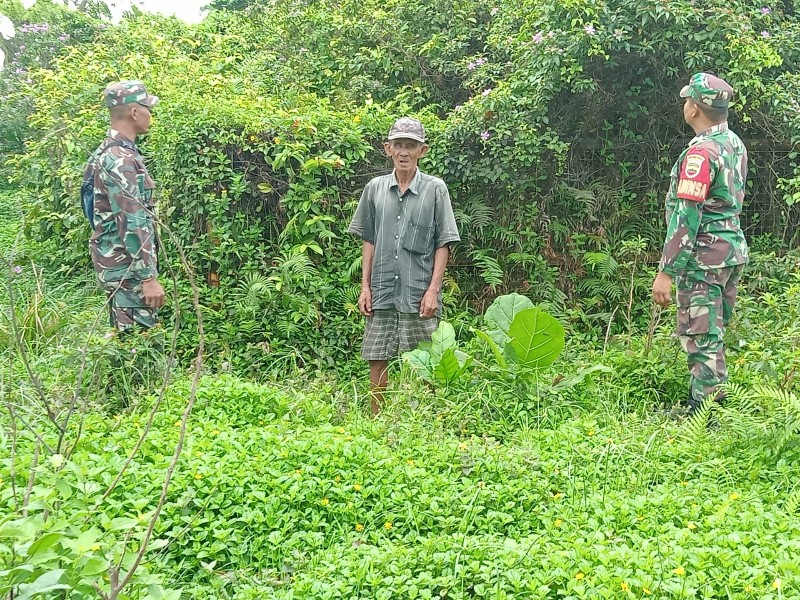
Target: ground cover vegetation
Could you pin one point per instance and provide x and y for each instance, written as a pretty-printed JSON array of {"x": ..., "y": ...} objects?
[{"x": 129, "y": 469}]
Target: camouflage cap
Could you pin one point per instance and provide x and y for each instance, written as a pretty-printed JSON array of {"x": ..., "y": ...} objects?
[
  {"x": 407, "y": 128},
  {"x": 708, "y": 89},
  {"x": 128, "y": 92}
]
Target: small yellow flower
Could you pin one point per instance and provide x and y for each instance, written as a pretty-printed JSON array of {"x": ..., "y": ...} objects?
[
  {"x": 252, "y": 138},
  {"x": 684, "y": 483},
  {"x": 579, "y": 575},
  {"x": 481, "y": 484},
  {"x": 261, "y": 421},
  {"x": 639, "y": 518},
  {"x": 625, "y": 587},
  {"x": 349, "y": 438},
  {"x": 357, "y": 487},
  {"x": 462, "y": 447},
  {"x": 95, "y": 548},
  {"x": 558, "y": 495},
  {"x": 340, "y": 430},
  {"x": 680, "y": 571},
  {"x": 646, "y": 591},
  {"x": 410, "y": 462},
  {"x": 215, "y": 432},
  {"x": 277, "y": 140},
  {"x": 748, "y": 588},
  {"x": 670, "y": 440},
  {"x": 387, "y": 526},
  {"x": 198, "y": 454},
  {"x": 590, "y": 432},
  {"x": 177, "y": 423},
  {"x": 325, "y": 502},
  {"x": 558, "y": 522},
  {"x": 556, "y": 471},
  {"x": 691, "y": 525},
  {"x": 776, "y": 585},
  {"x": 359, "y": 527},
  {"x": 357, "y": 119},
  {"x": 198, "y": 476},
  {"x": 337, "y": 479},
  {"x": 734, "y": 496},
  {"x": 298, "y": 472}
]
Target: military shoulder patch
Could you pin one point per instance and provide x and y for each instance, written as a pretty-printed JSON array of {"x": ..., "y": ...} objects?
[{"x": 695, "y": 176}]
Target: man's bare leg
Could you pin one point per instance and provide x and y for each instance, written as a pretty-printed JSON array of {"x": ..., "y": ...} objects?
[{"x": 378, "y": 380}]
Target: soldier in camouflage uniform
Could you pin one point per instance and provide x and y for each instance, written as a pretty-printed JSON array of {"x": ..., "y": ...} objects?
[
  {"x": 705, "y": 249},
  {"x": 123, "y": 244}
]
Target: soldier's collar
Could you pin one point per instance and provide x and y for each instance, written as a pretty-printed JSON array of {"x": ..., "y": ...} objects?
[
  {"x": 116, "y": 135},
  {"x": 720, "y": 127}
]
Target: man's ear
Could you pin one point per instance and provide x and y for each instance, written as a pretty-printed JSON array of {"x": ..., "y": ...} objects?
[
  {"x": 424, "y": 150},
  {"x": 387, "y": 147}
]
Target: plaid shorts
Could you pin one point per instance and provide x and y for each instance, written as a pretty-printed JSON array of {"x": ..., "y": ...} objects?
[{"x": 389, "y": 333}]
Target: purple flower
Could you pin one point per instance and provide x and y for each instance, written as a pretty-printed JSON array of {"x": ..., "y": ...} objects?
[
  {"x": 538, "y": 38},
  {"x": 551, "y": 34},
  {"x": 63, "y": 37},
  {"x": 471, "y": 66},
  {"x": 765, "y": 34},
  {"x": 765, "y": 10},
  {"x": 480, "y": 62},
  {"x": 494, "y": 11},
  {"x": 17, "y": 269},
  {"x": 133, "y": 350},
  {"x": 485, "y": 135},
  {"x": 486, "y": 92},
  {"x": 22, "y": 47},
  {"x": 589, "y": 29}
]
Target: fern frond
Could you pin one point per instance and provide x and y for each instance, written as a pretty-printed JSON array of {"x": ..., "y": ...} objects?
[
  {"x": 792, "y": 503},
  {"x": 490, "y": 270},
  {"x": 696, "y": 427}
]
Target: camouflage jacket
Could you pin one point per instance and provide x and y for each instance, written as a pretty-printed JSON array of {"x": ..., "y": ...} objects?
[
  {"x": 704, "y": 201},
  {"x": 123, "y": 244}
]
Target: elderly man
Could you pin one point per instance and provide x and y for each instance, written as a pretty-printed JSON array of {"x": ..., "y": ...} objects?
[
  {"x": 406, "y": 222},
  {"x": 705, "y": 249},
  {"x": 123, "y": 244}
]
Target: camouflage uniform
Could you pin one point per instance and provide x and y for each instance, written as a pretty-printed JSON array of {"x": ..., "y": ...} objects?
[
  {"x": 705, "y": 248},
  {"x": 123, "y": 245}
]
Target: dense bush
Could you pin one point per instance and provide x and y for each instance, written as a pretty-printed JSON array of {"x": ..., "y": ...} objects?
[{"x": 554, "y": 125}]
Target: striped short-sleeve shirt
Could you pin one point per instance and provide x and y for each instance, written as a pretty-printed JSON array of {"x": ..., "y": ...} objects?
[{"x": 406, "y": 231}]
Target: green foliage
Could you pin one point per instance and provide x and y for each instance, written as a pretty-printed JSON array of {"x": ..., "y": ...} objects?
[{"x": 524, "y": 341}]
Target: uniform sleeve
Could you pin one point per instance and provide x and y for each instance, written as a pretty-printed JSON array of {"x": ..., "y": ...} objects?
[
  {"x": 363, "y": 223},
  {"x": 696, "y": 174},
  {"x": 446, "y": 231},
  {"x": 133, "y": 219}
]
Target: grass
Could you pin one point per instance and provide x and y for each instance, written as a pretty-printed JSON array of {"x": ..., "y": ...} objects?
[{"x": 289, "y": 490}]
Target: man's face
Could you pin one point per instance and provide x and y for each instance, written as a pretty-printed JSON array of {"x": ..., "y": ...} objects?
[
  {"x": 405, "y": 153},
  {"x": 142, "y": 116},
  {"x": 690, "y": 111}
]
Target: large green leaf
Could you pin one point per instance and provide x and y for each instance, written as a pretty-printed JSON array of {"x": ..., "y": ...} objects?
[
  {"x": 452, "y": 365},
  {"x": 536, "y": 339},
  {"x": 443, "y": 339},
  {"x": 420, "y": 361},
  {"x": 504, "y": 309},
  {"x": 47, "y": 582}
]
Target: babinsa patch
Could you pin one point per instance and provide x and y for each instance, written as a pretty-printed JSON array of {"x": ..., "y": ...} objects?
[{"x": 695, "y": 176}]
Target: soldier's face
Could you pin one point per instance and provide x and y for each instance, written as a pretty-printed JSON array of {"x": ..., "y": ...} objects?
[
  {"x": 142, "y": 116},
  {"x": 690, "y": 111}
]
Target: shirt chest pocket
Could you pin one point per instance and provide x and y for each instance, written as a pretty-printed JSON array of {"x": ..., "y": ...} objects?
[{"x": 418, "y": 239}]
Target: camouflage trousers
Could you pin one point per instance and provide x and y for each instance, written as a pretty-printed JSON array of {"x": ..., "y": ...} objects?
[
  {"x": 126, "y": 305},
  {"x": 705, "y": 305}
]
